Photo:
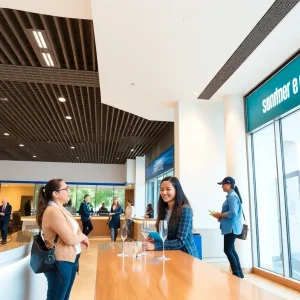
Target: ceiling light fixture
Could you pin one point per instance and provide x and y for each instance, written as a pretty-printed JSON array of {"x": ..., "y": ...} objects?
[
  {"x": 72, "y": 147},
  {"x": 50, "y": 59},
  {"x": 21, "y": 145},
  {"x": 5, "y": 133},
  {"x": 117, "y": 157},
  {"x": 132, "y": 150},
  {"x": 34, "y": 156},
  {"x": 61, "y": 99},
  {"x": 77, "y": 157},
  {"x": 46, "y": 59},
  {"x": 39, "y": 39},
  {"x": 195, "y": 93},
  {"x": 129, "y": 184},
  {"x": 68, "y": 117}
]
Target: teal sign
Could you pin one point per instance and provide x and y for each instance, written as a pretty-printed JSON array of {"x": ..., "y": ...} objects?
[{"x": 277, "y": 96}]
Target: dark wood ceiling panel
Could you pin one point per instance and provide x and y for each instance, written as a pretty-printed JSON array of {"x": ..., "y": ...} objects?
[{"x": 31, "y": 112}]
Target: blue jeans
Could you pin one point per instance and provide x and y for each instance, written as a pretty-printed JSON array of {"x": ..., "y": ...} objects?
[
  {"x": 232, "y": 255},
  {"x": 4, "y": 230},
  {"x": 60, "y": 283},
  {"x": 113, "y": 234}
]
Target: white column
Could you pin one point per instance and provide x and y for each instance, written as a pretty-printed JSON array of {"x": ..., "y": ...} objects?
[
  {"x": 140, "y": 186},
  {"x": 236, "y": 163},
  {"x": 200, "y": 164}
]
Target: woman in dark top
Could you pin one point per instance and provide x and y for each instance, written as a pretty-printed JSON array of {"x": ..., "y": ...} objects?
[
  {"x": 114, "y": 223},
  {"x": 149, "y": 212}
]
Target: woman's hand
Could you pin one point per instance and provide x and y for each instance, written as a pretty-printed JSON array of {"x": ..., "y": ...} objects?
[
  {"x": 219, "y": 219},
  {"x": 149, "y": 246},
  {"x": 149, "y": 239},
  {"x": 111, "y": 214},
  {"x": 86, "y": 243},
  {"x": 217, "y": 215}
]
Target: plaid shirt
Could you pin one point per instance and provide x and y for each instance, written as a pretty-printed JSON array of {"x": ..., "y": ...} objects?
[{"x": 180, "y": 236}]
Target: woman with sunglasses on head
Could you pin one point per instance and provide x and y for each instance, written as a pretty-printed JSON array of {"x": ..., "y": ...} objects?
[
  {"x": 231, "y": 223},
  {"x": 115, "y": 216},
  {"x": 53, "y": 219},
  {"x": 174, "y": 207}
]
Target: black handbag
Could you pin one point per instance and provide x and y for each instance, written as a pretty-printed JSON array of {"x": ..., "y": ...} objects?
[
  {"x": 244, "y": 234},
  {"x": 42, "y": 259}
]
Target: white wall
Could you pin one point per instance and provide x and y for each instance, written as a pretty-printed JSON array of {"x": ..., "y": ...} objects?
[
  {"x": 130, "y": 171},
  {"x": 200, "y": 157},
  {"x": 80, "y": 9},
  {"x": 140, "y": 186},
  {"x": 71, "y": 172}
]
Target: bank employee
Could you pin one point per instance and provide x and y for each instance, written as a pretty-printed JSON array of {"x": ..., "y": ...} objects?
[
  {"x": 54, "y": 220},
  {"x": 174, "y": 207},
  {"x": 231, "y": 223}
]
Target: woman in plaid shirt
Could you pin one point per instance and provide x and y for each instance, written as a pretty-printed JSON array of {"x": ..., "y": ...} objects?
[{"x": 174, "y": 207}]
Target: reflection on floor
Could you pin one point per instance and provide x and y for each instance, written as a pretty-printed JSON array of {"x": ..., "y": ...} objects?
[{"x": 84, "y": 287}]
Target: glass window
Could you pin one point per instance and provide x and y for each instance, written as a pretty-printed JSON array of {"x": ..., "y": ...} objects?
[
  {"x": 291, "y": 150},
  {"x": 267, "y": 201}
]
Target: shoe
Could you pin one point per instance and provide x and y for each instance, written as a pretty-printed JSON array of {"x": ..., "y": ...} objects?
[{"x": 3, "y": 243}]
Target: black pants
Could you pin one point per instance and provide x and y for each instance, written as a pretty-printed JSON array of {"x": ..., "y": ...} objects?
[
  {"x": 87, "y": 227},
  {"x": 4, "y": 230},
  {"x": 129, "y": 224},
  {"x": 232, "y": 255}
]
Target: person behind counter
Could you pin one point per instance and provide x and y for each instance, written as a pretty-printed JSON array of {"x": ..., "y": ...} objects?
[
  {"x": 231, "y": 223},
  {"x": 53, "y": 219},
  {"x": 174, "y": 207},
  {"x": 114, "y": 223},
  {"x": 149, "y": 211},
  {"x": 102, "y": 210}
]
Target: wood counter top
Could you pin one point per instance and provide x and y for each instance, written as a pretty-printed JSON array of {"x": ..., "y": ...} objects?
[{"x": 182, "y": 277}]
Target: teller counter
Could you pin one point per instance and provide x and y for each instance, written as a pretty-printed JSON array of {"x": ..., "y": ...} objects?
[{"x": 100, "y": 224}]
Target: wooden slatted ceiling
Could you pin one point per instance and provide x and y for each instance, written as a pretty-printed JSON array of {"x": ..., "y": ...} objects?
[{"x": 31, "y": 113}]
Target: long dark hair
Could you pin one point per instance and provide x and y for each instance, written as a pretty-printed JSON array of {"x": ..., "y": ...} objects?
[
  {"x": 45, "y": 195},
  {"x": 235, "y": 188},
  {"x": 180, "y": 201},
  {"x": 149, "y": 207}
]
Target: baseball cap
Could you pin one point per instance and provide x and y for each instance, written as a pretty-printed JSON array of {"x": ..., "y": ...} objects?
[{"x": 227, "y": 179}]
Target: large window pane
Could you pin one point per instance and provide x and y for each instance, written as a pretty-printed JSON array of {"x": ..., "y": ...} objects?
[
  {"x": 104, "y": 194},
  {"x": 291, "y": 148},
  {"x": 267, "y": 201}
]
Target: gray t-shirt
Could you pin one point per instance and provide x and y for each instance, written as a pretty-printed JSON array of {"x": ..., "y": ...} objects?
[{"x": 168, "y": 215}]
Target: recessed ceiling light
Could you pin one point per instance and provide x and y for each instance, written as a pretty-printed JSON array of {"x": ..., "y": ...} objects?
[
  {"x": 5, "y": 133},
  {"x": 132, "y": 150},
  {"x": 117, "y": 157},
  {"x": 62, "y": 99},
  {"x": 50, "y": 59},
  {"x": 77, "y": 157},
  {"x": 68, "y": 117},
  {"x": 72, "y": 147},
  {"x": 37, "y": 39},
  {"x": 195, "y": 93},
  {"x": 46, "y": 59},
  {"x": 34, "y": 156},
  {"x": 21, "y": 145}
]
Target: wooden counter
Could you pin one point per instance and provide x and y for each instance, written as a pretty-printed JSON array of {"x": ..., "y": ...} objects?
[
  {"x": 182, "y": 277},
  {"x": 100, "y": 225}
]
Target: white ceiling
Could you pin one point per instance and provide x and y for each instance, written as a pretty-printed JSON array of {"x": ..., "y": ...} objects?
[
  {"x": 168, "y": 49},
  {"x": 80, "y": 9},
  {"x": 281, "y": 43}
]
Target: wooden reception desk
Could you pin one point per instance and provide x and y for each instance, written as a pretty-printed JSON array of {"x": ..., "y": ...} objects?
[
  {"x": 100, "y": 225},
  {"x": 182, "y": 277}
]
